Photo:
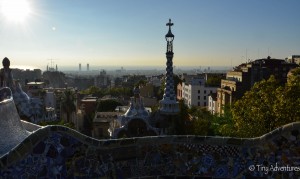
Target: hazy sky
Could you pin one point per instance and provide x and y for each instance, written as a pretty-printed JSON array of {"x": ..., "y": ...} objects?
[{"x": 131, "y": 32}]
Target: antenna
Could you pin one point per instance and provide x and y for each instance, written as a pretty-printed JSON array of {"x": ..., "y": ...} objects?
[
  {"x": 246, "y": 55},
  {"x": 51, "y": 64}
]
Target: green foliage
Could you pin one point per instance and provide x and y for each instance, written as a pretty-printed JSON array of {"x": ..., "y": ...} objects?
[
  {"x": 119, "y": 91},
  {"x": 214, "y": 81},
  {"x": 141, "y": 82},
  {"x": 288, "y": 106},
  {"x": 68, "y": 99},
  {"x": 100, "y": 92},
  {"x": 180, "y": 124},
  {"x": 155, "y": 108},
  {"x": 201, "y": 122},
  {"x": 223, "y": 125},
  {"x": 266, "y": 107},
  {"x": 193, "y": 121},
  {"x": 133, "y": 80},
  {"x": 294, "y": 78},
  {"x": 161, "y": 90},
  {"x": 107, "y": 105}
]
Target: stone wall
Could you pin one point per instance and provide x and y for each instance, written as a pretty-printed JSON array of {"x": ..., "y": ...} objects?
[{"x": 59, "y": 152}]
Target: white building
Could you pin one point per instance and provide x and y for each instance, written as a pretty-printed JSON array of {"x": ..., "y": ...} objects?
[
  {"x": 196, "y": 92},
  {"x": 102, "y": 80},
  {"x": 212, "y": 103},
  {"x": 294, "y": 59}
]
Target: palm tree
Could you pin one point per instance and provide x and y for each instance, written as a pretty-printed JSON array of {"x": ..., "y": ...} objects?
[{"x": 68, "y": 105}]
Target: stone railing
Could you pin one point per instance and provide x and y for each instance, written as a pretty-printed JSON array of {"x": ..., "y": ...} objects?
[{"x": 60, "y": 152}]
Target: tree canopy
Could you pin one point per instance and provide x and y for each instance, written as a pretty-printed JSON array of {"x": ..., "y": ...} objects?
[
  {"x": 107, "y": 105},
  {"x": 68, "y": 105},
  {"x": 266, "y": 107},
  {"x": 100, "y": 92}
]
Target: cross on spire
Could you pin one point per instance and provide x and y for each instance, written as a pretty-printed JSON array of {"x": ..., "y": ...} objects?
[{"x": 169, "y": 23}]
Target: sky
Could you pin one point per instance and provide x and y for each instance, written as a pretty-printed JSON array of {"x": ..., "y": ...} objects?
[{"x": 131, "y": 32}]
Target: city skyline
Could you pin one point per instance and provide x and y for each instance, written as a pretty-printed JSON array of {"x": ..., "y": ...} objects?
[{"x": 131, "y": 33}]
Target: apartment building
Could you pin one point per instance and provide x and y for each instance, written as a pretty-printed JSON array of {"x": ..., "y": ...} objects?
[
  {"x": 196, "y": 92},
  {"x": 244, "y": 76}
]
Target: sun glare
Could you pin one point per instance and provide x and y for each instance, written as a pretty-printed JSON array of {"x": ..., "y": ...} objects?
[{"x": 15, "y": 10}]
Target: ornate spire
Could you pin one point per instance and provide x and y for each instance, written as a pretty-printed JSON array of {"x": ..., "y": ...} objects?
[{"x": 168, "y": 104}]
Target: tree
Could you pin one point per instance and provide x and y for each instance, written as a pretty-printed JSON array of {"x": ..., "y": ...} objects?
[
  {"x": 266, "y": 107},
  {"x": 107, "y": 105},
  {"x": 214, "y": 81},
  {"x": 288, "y": 107},
  {"x": 121, "y": 91},
  {"x": 68, "y": 105},
  {"x": 223, "y": 125},
  {"x": 201, "y": 122},
  {"x": 181, "y": 122},
  {"x": 141, "y": 82}
]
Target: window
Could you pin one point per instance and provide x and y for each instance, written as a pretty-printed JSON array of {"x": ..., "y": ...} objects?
[
  {"x": 198, "y": 97},
  {"x": 204, "y": 91},
  {"x": 198, "y": 103},
  {"x": 204, "y": 97},
  {"x": 198, "y": 91},
  {"x": 204, "y": 103}
]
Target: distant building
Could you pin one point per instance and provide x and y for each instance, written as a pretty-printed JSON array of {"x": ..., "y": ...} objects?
[
  {"x": 212, "y": 103},
  {"x": 263, "y": 68},
  {"x": 179, "y": 91},
  {"x": 79, "y": 66},
  {"x": 89, "y": 105},
  {"x": 50, "y": 99},
  {"x": 87, "y": 67},
  {"x": 54, "y": 79},
  {"x": 102, "y": 122},
  {"x": 35, "y": 89},
  {"x": 155, "y": 81},
  {"x": 147, "y": 90},
  {"x": 243, "y": 77},
  {"x": 24, "y": 76},
  {"x": 81, "y": 82},
  {"x": 102, "y": 80},
  {"x": 196, "y": 92},
  {"x": 294, "y": 59}
]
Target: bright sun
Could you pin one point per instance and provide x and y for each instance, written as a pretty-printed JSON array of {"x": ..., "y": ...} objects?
[{"x": 15, "y": 10}]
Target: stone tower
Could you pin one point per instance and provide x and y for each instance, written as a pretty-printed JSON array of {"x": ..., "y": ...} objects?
[{"x": 168, "y": 105}]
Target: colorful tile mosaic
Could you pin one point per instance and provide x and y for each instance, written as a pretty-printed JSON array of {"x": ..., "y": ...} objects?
[{"x": 59, "y": 152}]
